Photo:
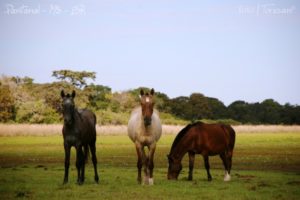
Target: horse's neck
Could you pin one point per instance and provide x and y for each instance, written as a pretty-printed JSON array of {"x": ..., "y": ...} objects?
[
  {"x": 178, "y": 152},
  {"x": 77, "y": 115},
  {"x": 145, "y": 130}
]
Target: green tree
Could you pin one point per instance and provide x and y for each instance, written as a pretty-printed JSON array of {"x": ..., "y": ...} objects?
[
  {"x": 76, "y": 78},
  {"x": 99, "y": 96},
  {"x": 7, "y": 104},
  {"x": 123, "y": 102},
  {"x": 180, "y": 107},
  {"x": 218, "y": 109},
  {"x": 200, "y": 107},
  {"x": 162, "y": 102},
  {"x": 238, "y": 110},
  {"x": 270, "y": 112}
]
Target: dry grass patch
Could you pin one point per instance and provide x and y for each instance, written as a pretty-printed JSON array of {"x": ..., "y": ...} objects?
[
  {"x": 55, "y": 129},
  {"x": 266, "y": 128}
]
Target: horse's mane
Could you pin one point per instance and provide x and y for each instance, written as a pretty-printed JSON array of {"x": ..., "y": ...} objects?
[{"x": 183, "y": 133}]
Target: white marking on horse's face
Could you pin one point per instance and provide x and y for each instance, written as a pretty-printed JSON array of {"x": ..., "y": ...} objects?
[
  {"x": 227, "y": 176},
  {"x": 147, "y": 99}
]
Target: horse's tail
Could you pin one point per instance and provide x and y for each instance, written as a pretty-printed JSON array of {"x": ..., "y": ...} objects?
[
  {"x": 231, "y": 132},
  {"x": 86, "y": 153}
]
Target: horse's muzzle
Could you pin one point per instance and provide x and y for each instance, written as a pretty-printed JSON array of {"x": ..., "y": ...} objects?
[
  {"x": 147, "y": 121},
  {"x": 68, "y": 121}
]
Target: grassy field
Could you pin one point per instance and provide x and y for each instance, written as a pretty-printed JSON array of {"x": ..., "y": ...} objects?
[{"x": 266, "y": 165}]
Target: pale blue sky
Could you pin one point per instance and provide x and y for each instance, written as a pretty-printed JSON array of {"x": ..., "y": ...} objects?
[{"x": 238, "y": 50}]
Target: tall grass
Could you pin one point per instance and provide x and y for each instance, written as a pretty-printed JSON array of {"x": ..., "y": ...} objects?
[
  {"x": 266, "y": 128},
  {"x": 55, "y": 129}
]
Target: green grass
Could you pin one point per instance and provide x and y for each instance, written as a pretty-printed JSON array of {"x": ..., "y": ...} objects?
[{"x": 265, "y": 166}]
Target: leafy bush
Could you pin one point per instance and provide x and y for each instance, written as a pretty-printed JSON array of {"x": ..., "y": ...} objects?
[
  {"x": 167, "y": 118},
  {"x": 105, "y": 117},
  {"x": 36, "y": 112},
  {"x": 221, "y": 121}
]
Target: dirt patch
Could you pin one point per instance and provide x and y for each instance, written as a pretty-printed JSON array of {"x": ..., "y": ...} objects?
[
  {"x": 252, "y": 188},
  {"x": 293, "y": 183},
  {"x": 40, "y": 166},
  {"x": 246, "y": 178},
  {"x": 263, "y": 184},
  {"x": 23, "y": 194}
]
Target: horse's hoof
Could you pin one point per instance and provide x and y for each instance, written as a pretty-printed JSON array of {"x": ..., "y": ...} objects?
[
  {"x": 65, "y": 181},
  {"x": 79, "y": 182},
  {"x": 151, "y": 181},
  {"x": 139, "y": 180},
  {"x": 148, "y": 180},
  {"x": 97, "y": 179},
  {"x": 209, "y": 179},
  {"x": 227, "y": 178},
  {"x": 190, "y": 178}
]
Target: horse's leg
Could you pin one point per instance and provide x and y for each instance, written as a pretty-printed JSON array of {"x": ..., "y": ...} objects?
[
  {"x": 206, "y": 162},
  {"x": 229, "y": 158},
  {"x": 77, "y": 164},
  {"x": 145, "y": 161},
  {"x": 140, "y": 161},
  {"x": 151, "y": 163},
  {"x": 191, "y": 165},
  {"x": 94, "y": 159},
  {"x": 80, "y": 165},
  {"x": 225, "y": 163},
  {"x": 67, "y": 162}
]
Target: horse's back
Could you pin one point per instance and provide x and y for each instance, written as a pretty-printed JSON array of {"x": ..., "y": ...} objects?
[
  {"x": 88, "y": 116},
  {"x": 214, "y": 137}
]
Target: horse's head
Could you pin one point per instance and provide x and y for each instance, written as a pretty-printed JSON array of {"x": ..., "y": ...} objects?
[
  {"x": 174, "y": 168},
  {"x": 68, "y": 106},
  {"x": 147, "y": 104}
]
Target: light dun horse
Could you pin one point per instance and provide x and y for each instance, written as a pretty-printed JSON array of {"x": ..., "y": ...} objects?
[{"x": 144, "y": 129}]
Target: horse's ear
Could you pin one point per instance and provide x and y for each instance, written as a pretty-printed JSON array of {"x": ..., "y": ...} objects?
[
  {"x": 152, "y": 92},
  {"x": 73, "y": 94},
  {"x": 62, "y": 94},
  {"x": 142, "y": 92}
]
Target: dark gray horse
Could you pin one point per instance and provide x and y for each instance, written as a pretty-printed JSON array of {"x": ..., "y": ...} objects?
[{"x": 79, "y": 130}]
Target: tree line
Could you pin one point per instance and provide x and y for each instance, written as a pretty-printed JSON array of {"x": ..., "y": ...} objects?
[{"x": 23, "y": 101}]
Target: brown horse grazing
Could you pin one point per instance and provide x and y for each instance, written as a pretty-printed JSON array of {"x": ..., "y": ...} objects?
[
  {"x": 205, "y": 139},
  {"x": 144, "y": 129},
  {"x": 79, "y": 130}
]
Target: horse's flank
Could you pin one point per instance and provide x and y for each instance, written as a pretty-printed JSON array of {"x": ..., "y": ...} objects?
[{"x": 138, "y": 132}]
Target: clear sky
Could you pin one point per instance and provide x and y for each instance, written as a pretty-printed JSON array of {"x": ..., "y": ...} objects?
[{"x": 238, "y": 50}]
